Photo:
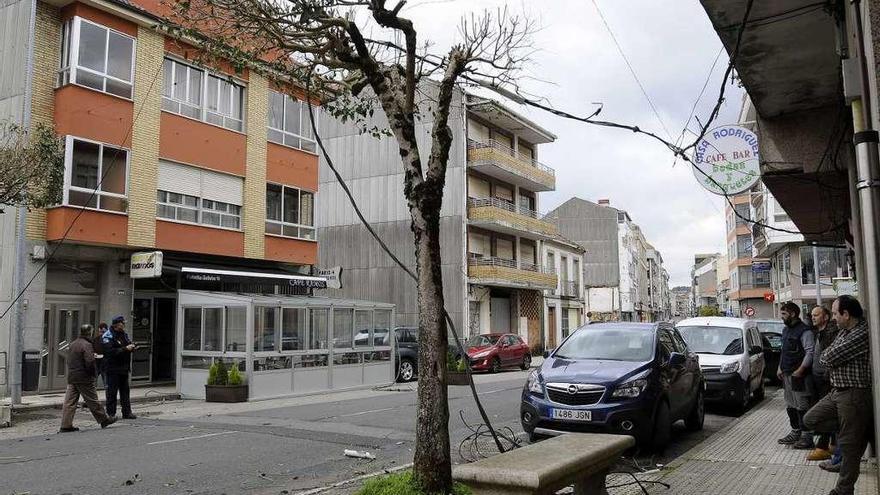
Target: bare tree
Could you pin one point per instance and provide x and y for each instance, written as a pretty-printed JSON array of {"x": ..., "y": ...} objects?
[
  {"x": 31, "y": 166},
  {"x": 324, "y": 42}
]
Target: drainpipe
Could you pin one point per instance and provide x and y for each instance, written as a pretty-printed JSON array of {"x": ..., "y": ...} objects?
[{"x": 866, "y": 142}]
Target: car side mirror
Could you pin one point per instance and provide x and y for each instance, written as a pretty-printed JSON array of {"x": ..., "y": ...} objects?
[
  {"x": 677, "y": 359},
  {"x": 546, "y": 354},
  {"x": 756, "y": 349}
]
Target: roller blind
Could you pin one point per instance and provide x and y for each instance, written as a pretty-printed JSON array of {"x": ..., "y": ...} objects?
[
  {"x": 221, "y": 187},
  {"x": 194, "y": 181}
]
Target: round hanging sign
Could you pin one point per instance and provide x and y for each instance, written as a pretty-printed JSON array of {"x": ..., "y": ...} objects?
[{"x": 726, "y": 160}]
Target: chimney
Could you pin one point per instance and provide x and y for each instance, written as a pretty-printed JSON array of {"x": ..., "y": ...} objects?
[{"x": 604, "y": 202}]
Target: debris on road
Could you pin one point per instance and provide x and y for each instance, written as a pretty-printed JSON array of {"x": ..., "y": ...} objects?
[{"x": 358, "y": 455}]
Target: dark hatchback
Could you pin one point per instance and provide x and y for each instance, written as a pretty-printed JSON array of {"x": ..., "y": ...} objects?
[{"x": 626, "y": 378}]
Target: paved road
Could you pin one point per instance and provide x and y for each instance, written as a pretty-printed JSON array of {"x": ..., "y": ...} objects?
[{"x": 261, "y": 450}]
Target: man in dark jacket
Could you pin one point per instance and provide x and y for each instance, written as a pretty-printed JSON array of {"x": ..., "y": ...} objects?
[
  {"x": 824, "y": 331},
  {"x": 117, "y": 349},
  {"x": 81, "y": 376},
  {"x": 795, "y": 363}
]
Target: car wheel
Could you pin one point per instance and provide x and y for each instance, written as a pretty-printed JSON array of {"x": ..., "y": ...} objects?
[
  {"x": 527, "y": 362},
  {"x": 743, "y": 403},
  {"x": 662, "y": 428},
  {"x": 496, "y": 365},
  {"x": 406, "y": 371},
  {"x": 759, "y": 394},
  {"x": 695, "y": 419}
]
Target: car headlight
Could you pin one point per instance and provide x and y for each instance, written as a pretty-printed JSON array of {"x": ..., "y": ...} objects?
[
  {"x": 534, "y": 383},
  {"x": 732, "y": 367},
  {"x": 630, "y": 389}
]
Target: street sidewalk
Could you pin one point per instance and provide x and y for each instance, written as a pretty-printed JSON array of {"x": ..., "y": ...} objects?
[
  {"x": 745, "y": 459},
  {"x": 30, "y": 403}
]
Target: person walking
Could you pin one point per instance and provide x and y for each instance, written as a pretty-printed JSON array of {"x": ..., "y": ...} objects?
[
  {"x": 848, "y": 408},
  {"x": 824, "y": 331},
  {"x": 794, "y": 371},
  {"x": 81, "y": 375},
  {"x": 117, "y": 349},
  {"x": 99, "y": 352}
]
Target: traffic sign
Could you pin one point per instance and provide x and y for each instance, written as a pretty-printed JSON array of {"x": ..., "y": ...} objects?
[{"x": 749, "y": 311}]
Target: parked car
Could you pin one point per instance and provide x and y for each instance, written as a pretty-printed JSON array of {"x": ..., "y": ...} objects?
[
  {"x": 407, "y": 349},
  {"x": 771, "y": 334},
  {"x": 624, "y": 378},
  {"x": 491, "y": 352},
  {"x": 731, "y": 357}
]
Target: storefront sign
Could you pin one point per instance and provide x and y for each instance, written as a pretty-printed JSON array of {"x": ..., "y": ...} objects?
[
  {"x": 726, "y": 160},
  {"x": 209, "y": 275},
  {"x": 333, "y": 276},
  {"x": 760, "y": 266},
  {"x": 146, "y": 265}
]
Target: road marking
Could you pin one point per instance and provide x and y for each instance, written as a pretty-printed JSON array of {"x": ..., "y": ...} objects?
[
  {"x": 183, "y": 439},
  {"x": 365, "y": 412}
]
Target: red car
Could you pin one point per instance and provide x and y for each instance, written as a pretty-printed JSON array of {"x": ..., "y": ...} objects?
[{"x": 494, "y": 351}]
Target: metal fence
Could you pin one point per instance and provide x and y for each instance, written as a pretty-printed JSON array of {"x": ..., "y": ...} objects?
[{"x": 493, "y": 144}]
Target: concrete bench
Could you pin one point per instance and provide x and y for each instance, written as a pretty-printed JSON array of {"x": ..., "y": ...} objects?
[{"x": 545, "y": 467}]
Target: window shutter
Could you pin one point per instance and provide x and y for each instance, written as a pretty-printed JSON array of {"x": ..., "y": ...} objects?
[
  {"x": 222, "y": 187},
  {"x": 177, "y": 178}
]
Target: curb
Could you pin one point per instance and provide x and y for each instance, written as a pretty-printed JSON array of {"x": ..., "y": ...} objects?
[{"x": 21, "y": 408}]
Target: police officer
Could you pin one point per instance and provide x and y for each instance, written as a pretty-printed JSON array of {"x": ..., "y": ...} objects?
[{"x": 117, "y": 348}]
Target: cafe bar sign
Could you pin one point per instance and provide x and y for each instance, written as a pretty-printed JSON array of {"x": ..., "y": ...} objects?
[
  {"x": 146, "y": 265},
  {"x": 726, "y": 160}
]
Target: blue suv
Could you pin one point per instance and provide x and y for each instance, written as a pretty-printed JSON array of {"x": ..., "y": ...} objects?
[{"x": 628, "y": 378}]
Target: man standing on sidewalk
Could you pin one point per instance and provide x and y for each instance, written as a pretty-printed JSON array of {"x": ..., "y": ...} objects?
[
  {"x": 848, "y": 409},
  {"x": 81, "y": 375},
  {"x": 824, "y": 331},
  {"x": 794, "y": 371},
  {"x": 117, "y": 349}
]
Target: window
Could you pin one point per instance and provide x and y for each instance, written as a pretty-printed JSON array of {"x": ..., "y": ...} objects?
[
  {"x": 289, "y": 122},
  {"x": 744, "y": 246},
  {"x": 264, "y": 329},
  {"x": 363, "y": 330},
  {"x": 742, "y": 214},
  {"x": 194, "y": 195},
  {"x": 96, "y": 57},
  {"x": 96, "y": 175},
  {"x": 342, "y": 326},
  {"x": 290, "y": 212},
  {"x": 192, "y": 329},
  {"x": 236, "y": 329},
  {"x": 213, "y": 334},
  {"x": 198, "y": 94},
  {"x": 832, "y": 264},
  {"x": 293, "y": 329},
  {"x": 318, "y": 327},
  {"x": 382, "y": 324},
  {"x": 565, "y": 322}
]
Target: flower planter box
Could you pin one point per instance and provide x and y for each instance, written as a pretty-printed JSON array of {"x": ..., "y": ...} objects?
[
  {"x": 226, "y": 393},
  {"x": 456, "y": 378}
]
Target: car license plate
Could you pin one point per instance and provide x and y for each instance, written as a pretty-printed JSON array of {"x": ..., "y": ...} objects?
[{"x": 572, "y": 415}]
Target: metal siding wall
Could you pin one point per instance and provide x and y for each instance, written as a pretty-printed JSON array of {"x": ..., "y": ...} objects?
[
  {"x": 373, "y": 171},
  {"x": 14, "y": 24},
  {"x": 595, "y": 228}
]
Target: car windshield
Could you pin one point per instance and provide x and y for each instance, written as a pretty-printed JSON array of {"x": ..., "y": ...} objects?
[
  {"x": 612, "y": 344},
  {"x": 770, "y": 326},
  {"x": 483, "y": 340},
  {"x": 713, "y": 340}
]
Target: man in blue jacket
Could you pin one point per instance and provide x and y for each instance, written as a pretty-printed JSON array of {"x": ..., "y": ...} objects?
[
  {"x": 117, "y": 348},
  {"x": 795, "y": 365}
]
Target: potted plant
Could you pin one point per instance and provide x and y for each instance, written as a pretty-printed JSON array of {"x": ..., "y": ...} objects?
[
  {"x": 225, "y": 385},
  {"x": 456, "y": 373}
]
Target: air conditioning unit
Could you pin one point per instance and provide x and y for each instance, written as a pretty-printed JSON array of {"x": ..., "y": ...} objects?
[{"x": 38, "y": 252}]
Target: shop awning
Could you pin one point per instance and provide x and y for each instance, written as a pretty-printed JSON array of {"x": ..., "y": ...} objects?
[{"x": 201, "y": 274}]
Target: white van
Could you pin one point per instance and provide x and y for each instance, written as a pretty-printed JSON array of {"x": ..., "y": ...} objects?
[{"x": 731, "y": 357}]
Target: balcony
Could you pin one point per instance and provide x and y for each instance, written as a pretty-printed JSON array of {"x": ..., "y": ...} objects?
[
  {"x": 503, "y": 216},
  {"x": 500, "y": 272},
  {"x": 498, "y": 161},
  {"x": 569, "y": 289}
]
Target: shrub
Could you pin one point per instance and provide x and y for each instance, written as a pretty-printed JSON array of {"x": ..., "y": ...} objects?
[
  {"x": 235, "y": 377},
  {"x": 217, "y": 374},
  {"x": 401, "y": 484}
]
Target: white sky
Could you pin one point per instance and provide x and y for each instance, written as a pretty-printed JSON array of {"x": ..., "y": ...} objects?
[{"x": 671, "y": 45}]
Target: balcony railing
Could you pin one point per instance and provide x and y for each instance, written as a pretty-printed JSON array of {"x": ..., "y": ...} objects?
[
  {"x": 472, "y": 145},
  {"x": 492, "y": 270},
  {"x": 569, "y": 288},
  {"x": 503, "y": 204}
]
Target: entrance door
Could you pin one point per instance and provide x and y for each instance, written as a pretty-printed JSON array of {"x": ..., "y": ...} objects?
[
  {"x": 551, "y": 327},
  {"x": 164, "y": 311},
  {"x": 500, "y": 307},
  {"x": 142, "y": 337},
  {"x": 61, "y": 328}
]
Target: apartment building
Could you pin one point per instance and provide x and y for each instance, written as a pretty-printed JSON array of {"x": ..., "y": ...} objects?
[
  {"x": 704, "y": 276},
  {"x": 616, "y": 266},
  {"x": 563, "y": 305},
  {"x": 681, "y": 302},
  {"x": 210, "y": 167},
  {"x": 490, "y": 229}
]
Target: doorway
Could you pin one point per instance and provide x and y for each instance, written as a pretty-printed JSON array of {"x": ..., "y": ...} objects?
[
  {"x": 153, "y": 331},
  {"x": 551, "y": 327},
  {"x": 61, "y": 322},
  {"x": 500, "y": 316}
]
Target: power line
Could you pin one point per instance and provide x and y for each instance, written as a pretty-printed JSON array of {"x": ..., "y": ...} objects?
[
  {"x": 82, "y": 210},
  {"x": 632, "y": 70}
]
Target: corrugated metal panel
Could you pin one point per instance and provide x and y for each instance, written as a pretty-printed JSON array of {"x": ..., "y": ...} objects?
[{"x": 14, "y": 25}]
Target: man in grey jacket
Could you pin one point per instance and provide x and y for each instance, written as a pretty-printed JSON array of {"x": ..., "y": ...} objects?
[
  {"x": 824, "y": 331},
  {"x": 81, "y": 375},
  {"x": 795, "y": 363}
]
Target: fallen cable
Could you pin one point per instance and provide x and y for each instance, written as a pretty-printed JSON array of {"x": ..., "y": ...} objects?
[{"x": 479, "y": 444}]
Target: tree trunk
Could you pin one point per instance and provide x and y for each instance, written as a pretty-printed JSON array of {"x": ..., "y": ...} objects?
[{"x": 432, "y": 466}]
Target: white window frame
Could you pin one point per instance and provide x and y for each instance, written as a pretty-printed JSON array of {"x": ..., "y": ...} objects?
[
  {"x": 70, "y": 39},
  {"x": 239, "y": 123},
  {"x": 299, "y": 226},
  {"x": 68, "y": 175},
  {"x": 200, "y": 209},
  {"x": 304, "y": 119}
]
